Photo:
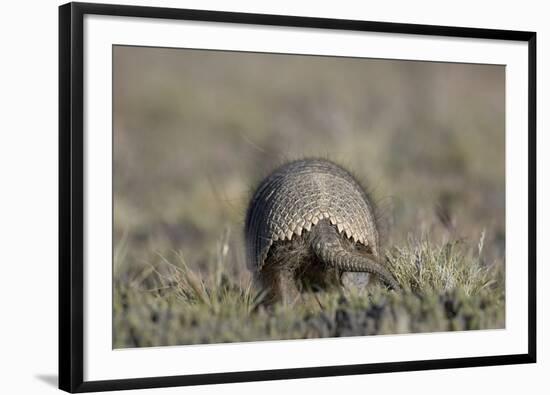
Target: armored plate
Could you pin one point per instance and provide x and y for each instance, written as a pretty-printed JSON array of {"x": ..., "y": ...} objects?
[{"x": 296, "y": 196}]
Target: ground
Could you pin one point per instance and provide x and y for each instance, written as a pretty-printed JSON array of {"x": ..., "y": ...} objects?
[{"x": 194, "y": 131}]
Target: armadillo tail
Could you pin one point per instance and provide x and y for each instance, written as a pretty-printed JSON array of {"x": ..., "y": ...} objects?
[{"x": 327, "y": 246}]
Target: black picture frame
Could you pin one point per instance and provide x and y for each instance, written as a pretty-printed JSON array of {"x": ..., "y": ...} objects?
[{"x": 71, "y": 196}]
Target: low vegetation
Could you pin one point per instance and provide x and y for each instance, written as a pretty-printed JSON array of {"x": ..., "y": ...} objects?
[
  {"x": 194, "y": 130},
  {"x": 446, "y": 287}
]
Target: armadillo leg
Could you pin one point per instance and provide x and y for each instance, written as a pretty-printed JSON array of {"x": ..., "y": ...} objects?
[
  {"x": 327, "y": 245},
  {"x": 287, "y": 289},
  {"x": 279, "y": 285}
]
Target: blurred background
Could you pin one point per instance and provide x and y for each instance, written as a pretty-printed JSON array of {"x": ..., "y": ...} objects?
[{"x": 195, "y": 130}]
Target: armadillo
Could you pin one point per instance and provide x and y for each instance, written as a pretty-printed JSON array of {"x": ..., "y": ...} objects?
[{"x": 311, "y": 219}]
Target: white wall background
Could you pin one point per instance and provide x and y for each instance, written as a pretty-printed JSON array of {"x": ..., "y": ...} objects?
[{"x": 28, "y": 197}]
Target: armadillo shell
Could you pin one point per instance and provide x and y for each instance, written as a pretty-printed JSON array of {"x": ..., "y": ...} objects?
[{"x": 296, "y": 196}]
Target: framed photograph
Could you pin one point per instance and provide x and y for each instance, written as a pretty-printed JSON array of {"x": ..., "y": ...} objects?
[{"x": 250, "y": 197}]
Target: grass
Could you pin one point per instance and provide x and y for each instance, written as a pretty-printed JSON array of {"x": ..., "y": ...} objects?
[
  {"x": 446, "y": 287},
  {"x": 194, "y": 130}
]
